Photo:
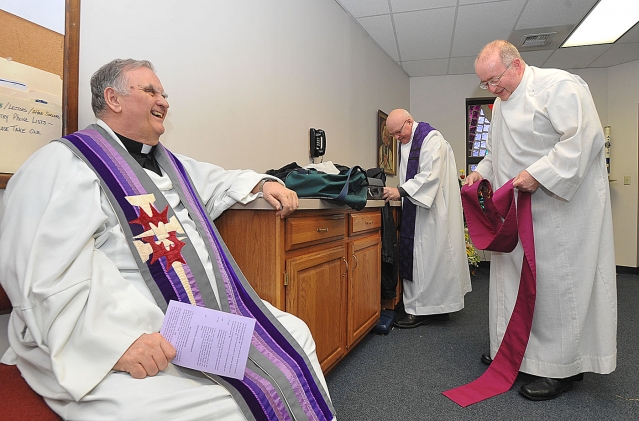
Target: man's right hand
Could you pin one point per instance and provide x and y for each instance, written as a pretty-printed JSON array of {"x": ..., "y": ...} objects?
[
  {"x": 147, "y": 356},
  {"x": 473, "y": 177}
]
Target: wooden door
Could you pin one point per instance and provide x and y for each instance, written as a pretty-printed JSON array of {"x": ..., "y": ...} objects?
[
  {"x": 316, "y": 293},
  {"x": 364, "y": 286}
]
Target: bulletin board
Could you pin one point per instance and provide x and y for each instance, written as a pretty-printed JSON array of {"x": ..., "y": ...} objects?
[
  {"x": 479, "y": 114},
  {"x": 30, "y": 112}
]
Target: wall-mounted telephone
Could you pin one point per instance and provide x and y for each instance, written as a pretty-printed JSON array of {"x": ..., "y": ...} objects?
[{"x": 318, "y": 142}]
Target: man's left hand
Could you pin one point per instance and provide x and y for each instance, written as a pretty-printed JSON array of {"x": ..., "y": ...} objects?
[
  {"x": 525, "y": 182},
  {"x": 284, "y": 200}
]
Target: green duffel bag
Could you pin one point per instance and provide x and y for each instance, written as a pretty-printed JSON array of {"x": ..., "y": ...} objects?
[{"x": 348, "y": 187}]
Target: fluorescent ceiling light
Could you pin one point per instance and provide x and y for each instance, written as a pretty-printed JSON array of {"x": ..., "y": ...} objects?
[{"x": 605, "y": 23}]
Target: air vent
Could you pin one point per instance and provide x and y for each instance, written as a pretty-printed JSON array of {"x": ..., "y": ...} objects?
[{"x": 537, "y": 40}]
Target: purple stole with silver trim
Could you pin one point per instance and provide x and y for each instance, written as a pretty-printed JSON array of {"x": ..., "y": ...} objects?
[{"x": 278, "y": 383}]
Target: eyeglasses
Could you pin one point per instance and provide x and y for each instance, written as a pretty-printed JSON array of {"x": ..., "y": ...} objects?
[
  {"x": 495, "y": 80},
  {"x": 395, "y": 133},
  {"x": 150, "y": 89}
]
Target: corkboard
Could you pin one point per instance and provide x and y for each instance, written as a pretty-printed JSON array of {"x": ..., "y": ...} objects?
[{"x": 31, "y": 44}]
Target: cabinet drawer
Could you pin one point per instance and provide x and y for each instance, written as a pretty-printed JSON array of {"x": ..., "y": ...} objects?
[
  {"x": 314, "y": 229},
  {"x": 362, "y": 222}
]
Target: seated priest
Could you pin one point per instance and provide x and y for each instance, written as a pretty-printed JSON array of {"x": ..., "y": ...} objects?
[{"x": 104, "y": 227}]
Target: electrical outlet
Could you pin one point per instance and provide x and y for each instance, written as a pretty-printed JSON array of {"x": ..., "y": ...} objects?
[{"x": 626, "y": 180}]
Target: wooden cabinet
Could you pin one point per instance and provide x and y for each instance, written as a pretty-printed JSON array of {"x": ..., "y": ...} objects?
[
  {"x": 316, "y": 293},
  {"x": 323, "y": 265},
  {"x": 364, "y": 252}
]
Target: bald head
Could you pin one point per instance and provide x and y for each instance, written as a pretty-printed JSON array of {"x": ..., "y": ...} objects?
[
  {"x": 400, "y": 125},
  {"x": 397, "y": 116}
]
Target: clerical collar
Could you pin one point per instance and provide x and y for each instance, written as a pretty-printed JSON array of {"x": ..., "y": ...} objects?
[
  {"x": 135, "y": 147},
  {"x": 142, "y": 153}
]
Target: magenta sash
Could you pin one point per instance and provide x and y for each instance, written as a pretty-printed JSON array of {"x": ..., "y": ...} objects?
[{"x": 496, "y": 223}]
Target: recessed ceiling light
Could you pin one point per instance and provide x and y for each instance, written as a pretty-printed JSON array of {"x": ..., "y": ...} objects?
[{"x": 605, "y": 23}]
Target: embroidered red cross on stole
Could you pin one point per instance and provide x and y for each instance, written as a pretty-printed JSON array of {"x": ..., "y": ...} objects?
[{"x": 497, "y": 226}]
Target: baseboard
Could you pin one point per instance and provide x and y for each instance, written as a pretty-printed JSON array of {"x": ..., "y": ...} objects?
[{"x": 628, "y": 270}]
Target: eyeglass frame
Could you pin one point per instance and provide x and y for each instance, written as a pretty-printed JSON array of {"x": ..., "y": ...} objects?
[
  {"x": 494, "y": 81},
  {"x": 151, "y": 90},
  {"x": 395, "y": 133}
]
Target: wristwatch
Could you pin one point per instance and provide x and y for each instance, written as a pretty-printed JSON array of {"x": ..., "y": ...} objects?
[{"x": 261, "y": 184}]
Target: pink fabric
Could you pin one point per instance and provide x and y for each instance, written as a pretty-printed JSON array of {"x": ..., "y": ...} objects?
[{"x": 497, "y": 227}]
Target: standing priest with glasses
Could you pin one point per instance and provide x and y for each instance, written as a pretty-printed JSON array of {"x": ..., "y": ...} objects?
[
  {"x": 432, "y": 250},
  {"x": 546, "y": 136}
]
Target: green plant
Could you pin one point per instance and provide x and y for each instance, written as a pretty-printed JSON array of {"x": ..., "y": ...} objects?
[{"x": 471, "y": 253}]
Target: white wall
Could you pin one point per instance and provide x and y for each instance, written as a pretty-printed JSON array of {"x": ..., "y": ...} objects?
[
  {"x": 440, "y": 101},
  {"x": 248, "y": 78},
  {"x": 623, "y": 118}
]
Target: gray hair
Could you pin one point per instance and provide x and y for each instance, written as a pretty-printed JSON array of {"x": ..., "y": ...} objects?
[
  {"x": 112, "y": 75},
  {"x": 507, "y": 52}
]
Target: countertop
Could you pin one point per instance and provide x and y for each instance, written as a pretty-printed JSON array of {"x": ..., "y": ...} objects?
[{"x": 310, "y": 204}]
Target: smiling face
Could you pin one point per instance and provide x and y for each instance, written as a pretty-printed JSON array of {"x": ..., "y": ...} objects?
[{"x": 140, "y": 114}]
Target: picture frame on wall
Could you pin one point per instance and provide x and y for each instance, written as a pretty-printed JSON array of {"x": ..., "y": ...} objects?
[{"x": 386, "y": 146}]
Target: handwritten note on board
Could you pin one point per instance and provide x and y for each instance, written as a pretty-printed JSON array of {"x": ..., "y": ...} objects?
[{"x": 30, "y": 112}]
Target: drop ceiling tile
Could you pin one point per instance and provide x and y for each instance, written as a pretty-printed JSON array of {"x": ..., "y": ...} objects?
[
  {"x": 617, "y": 54},
  {"x": 476, "y": 25},
  {"x": 380, "y": 28},
  {"x": 463, "y": 2},
  {"x": 462, "y": 66},
  {"x": 424, "y": 34},
  {"x": 540, "y": 13},
  {"x": 536, "y": 58},
  {"x": 575, "y": 57},
  {"x": 631, "y": 36},
  {"x": 360, "y": 8},
  {"x": 418, "y": 68},
  {"x": 413, "y": 5}
]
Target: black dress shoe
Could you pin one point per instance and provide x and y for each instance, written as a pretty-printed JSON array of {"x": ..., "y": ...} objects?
[
  {"x": 545, "y": 388},
  {"x": 441, "y": 317},
  {"x": 485, "y": 358},
  {"x": 407, "y": 321}
]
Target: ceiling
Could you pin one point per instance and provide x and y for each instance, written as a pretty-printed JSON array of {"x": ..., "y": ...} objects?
[{"x": 443, "y": 37}]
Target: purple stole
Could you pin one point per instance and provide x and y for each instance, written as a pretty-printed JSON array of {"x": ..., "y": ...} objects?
[
  {"x": 409, "y": 209},
  {"x": 497, "y": 222},
  {"x": 278, "y": 382}
]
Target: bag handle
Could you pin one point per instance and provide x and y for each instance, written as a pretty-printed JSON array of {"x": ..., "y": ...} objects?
[{"x": 342, "y": 194}]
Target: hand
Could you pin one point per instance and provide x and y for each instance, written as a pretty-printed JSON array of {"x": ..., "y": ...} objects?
[
  {"x": 284, "y": 200},
  {"x": 147, "y": 356},
  {"x": 525, "y": 182},
  {"x": 390, "y": 193},
  {"x": 473, "y": 177}
]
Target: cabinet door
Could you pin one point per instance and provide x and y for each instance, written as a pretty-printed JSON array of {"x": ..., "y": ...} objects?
[
  {"x": 316, "y": 293},
  {"x": 364, "y": 286}
]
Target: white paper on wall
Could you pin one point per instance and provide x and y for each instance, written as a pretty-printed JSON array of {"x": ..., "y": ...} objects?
[{"x": 30, "y": 112}]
